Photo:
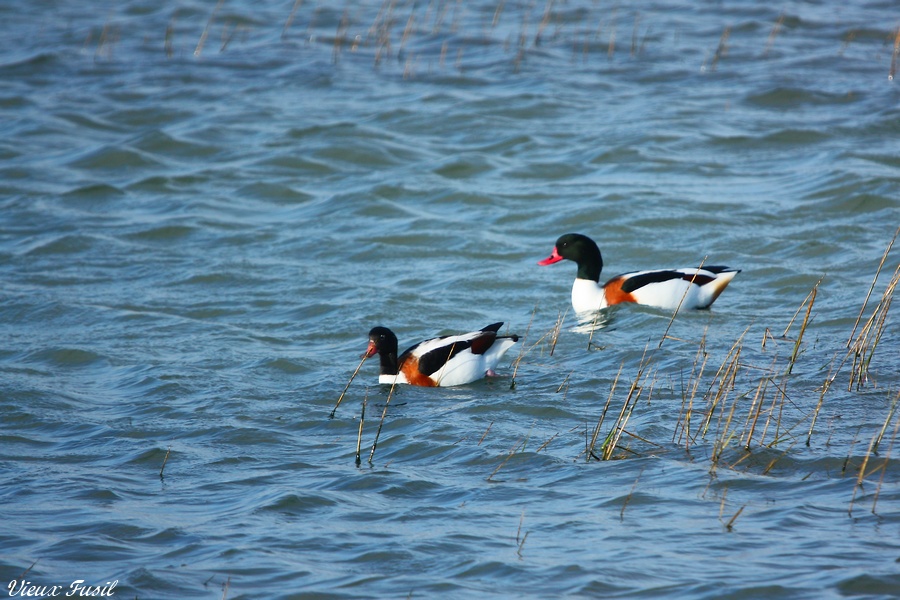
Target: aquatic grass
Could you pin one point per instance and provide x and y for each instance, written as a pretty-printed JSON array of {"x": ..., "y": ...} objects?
[
  {"x": 565, "y": 384},
  {"x": 829, "y": 379},
  {"x": 773, "y": 34},
  {"x": 165, "y": 460},
  {"x": 290, "y": 19},
  {"x": 547, "y": 443},
  {"x": 725, "y": 376},
  {"x": 484, "y": 435},
  {"x": 665, "y": 334},
  {"x": 520, "y": 542},
  {"x": 772, "y": 462},
  {"x": 397, "y": 28},
  {"x": 887, "y": 420},
  {"x": 847, "y": 460},
  {"x": 615, "y": 433},
  {"x": 809, "y": 302},
  {"x": 545, "y": 21},
  {"x": 872, "y": 450},
  {"x": 557, "y": 328},
  {"x": 362, "y": 419},
  {"x": 747, "y": 406},
  {"x": 755, "y": 409},
  {"x": 865, "y": 303},
  {"x": 381, "y": 422},
  {"x": 775, "y": 411},
  {"x": 894, "y": 55},
  {"x": 340, "y": 35},
  {"x": 167, "y": 40},
  {"x": 862, "y": 474},
  {"x": 611, "y": 46},
  {"x": 683, "y": 422},
  {"x": 347, "y": 387},
  {"x": 630, "y": 495},
  {"x": 109, "y": 36},
  {"x": 205, "y": 34},
  {"x": 597, "y": 322},
  {"x": 730, "y": 524},
  {"x": 887, "y": 457},
  {"x": 721, "y": 49},
  {"x": 863, "y": 348},
  {"x": 611, "y": 441},
  {"x": 520, "y": 443},
  {"x": 522, "y": 349},
  {"x": 589, "y": 447},
  {"x": 758, "y": 416}
]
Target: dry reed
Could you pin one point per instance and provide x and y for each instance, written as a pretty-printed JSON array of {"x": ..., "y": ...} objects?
[
  {"x": 290, "y": 19},
  {"x": 887, "y": 458},
  {"x": 165, "y": 460},
  {"x": 863, "y": 348},
  {"x": 509, "y": 455},
  {"x": 362, "y": 418},
  {"x": 873, "y": 449},
  {"x": 484, "y": 435},
  {"x": 557, "y": 328},
  {"x": 684, "y": 416},
  {"x": 772, "y": 34},
  {"x": 521, "y": 545},
  {"x": 522, "y": 350},
  {"x": 722, "y": 48},
  {"x": 811, "y": 299},
  {"x": 199, "y": 49},
  {"x": 829, "y": 379},
  {"x": 665, "y": 334},
  {"x": 519, "y": 530},
  {"x": 865, "y": 303},
  {"x": 589, "y": 447},
  {"x": 629, "y": 496},
  {"x": 894, "y": 55},
  {"x": 862, "y": 474},
  {"x": 347, "y": 387},
  {"x": 547, "y": 443},
  {"x": 730, "y": 524},
  {"x": 635, "y": 391},
  {"x": 381, "y": 422}
]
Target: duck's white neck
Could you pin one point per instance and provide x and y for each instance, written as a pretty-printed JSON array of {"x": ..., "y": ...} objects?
[{"x": 587, "y": 296}]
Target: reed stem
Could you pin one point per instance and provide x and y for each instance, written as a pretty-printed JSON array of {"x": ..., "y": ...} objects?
[{"x": 347, "y": 387}]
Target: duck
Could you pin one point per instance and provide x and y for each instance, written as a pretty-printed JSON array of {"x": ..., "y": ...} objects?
[
  {"x": 663, "y": 288},
  {"x": 442, "y": 361}
]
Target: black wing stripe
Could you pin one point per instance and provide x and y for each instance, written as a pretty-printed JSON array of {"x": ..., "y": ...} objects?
[
  {"x": 431, "y": 362},
  {"x": 638, "y": 281}
]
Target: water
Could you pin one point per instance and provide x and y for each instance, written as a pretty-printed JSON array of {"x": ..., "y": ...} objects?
[{"x": 205, "y": 210}]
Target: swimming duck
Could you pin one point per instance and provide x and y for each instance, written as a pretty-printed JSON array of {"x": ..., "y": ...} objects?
[
  {"x": 443, "y": 361},
  {"x": 660, "y": 288}
]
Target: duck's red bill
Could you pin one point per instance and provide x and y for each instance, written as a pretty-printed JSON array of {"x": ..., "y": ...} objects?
[
  {"x": 553, "y": 258},
  {"x": 371, "y": 350}
]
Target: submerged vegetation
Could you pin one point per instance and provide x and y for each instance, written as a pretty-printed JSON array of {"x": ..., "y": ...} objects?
[
  {"x": 734, "y": 413},
  {"x": 732, "y": 408},
  {"x": 450, "y": 35}
]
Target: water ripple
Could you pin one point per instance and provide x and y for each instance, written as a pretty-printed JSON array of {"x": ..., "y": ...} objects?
[{"x": 205, "y": 210}]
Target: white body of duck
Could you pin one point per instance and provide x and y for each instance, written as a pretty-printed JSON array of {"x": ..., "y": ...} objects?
[
  {"x": 444, "y": 361},
  {"x": 690, "y": 288}
]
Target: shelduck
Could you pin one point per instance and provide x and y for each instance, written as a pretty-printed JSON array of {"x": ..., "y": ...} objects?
[
  {"x": 443, "y": 361},
  {"x": 660, "y": 288}
]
